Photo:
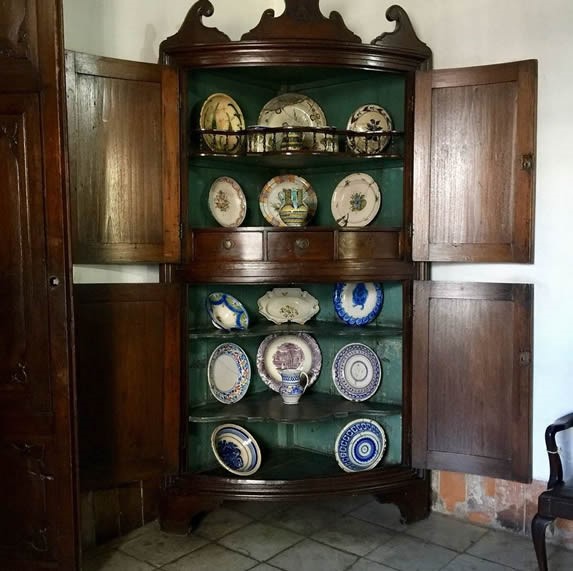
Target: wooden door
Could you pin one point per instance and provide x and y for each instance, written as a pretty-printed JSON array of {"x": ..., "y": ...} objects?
[
  {"x": 474, "y": 162},
  {"x": 37, "y": 476},
  {"x": 123, "y": 123},
  {"x": 471, "y": 372}
]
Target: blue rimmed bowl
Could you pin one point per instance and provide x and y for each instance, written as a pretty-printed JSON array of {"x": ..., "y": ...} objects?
[
  {"x": 226, "y": 312},
  {"x": 236, "y": 449},
  {"x": 358, "y": 303}
]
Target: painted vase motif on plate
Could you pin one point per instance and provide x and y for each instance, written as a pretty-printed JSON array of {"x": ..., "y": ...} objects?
[{"x": 294, "y": 211}]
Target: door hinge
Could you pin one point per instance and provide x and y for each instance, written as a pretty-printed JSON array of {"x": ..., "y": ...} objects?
[
  {"x": 180, "y": 231},
  {"x": 527, "y": 162},
  {"x": 411, "y": 104},
  {"x": 524, "y": 358},
  {"x": 411, "y": 230}
]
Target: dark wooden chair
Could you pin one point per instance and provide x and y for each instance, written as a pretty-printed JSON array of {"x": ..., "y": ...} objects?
[{"x": 557, "y": 500}]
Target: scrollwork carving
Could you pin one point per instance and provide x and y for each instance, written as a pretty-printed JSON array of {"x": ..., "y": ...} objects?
[
  {"x": 10, "y": 132},
  {"x": 19, "y": 376},
  {"x": 13, "y": 29}
]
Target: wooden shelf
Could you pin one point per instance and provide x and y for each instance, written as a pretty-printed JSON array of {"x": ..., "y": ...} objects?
[{"x": 268, "y": 406}]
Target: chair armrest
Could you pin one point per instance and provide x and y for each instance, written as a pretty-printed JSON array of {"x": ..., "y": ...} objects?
[{"x": 555, "y": 466}]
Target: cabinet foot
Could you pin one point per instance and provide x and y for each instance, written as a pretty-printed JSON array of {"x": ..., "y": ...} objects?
[
  {"x": 413, "y": 502},
  {"x": 181, "y": 514}
]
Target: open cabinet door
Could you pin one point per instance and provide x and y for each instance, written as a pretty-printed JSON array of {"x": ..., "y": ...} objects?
[
  {"x": 471, "y": 378},
  {"x": 474, "y": 157},
  {"x": 123, "y": 124}
]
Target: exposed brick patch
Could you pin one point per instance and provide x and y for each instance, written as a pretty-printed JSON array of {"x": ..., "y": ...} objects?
[
  {"x": 452, "y": 489},
  {"x": 481, "y": 518}
]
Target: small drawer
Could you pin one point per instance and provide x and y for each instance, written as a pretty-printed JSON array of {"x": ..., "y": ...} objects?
[
  {"x": 369, "y": 245},
  {"x": 211, "y": 246},
  {"x": 297, "y": 246}
]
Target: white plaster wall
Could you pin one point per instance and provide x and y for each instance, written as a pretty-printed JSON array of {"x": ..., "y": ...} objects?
[{"x": 460, "y": 33}]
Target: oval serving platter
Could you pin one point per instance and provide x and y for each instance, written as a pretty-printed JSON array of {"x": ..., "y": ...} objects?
[
  {"x": 358, "y": 303},
  {"x": 281, "y": 305},
  {"x": 356, "y": 372},
  {"x": 227, "y": 202},
  {"x": 360, "y": 445},
  {"x": 228, "y": 373}
]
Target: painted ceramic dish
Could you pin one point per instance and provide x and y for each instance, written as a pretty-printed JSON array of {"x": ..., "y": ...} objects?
[
  {"x": 356, "y": 372},
  {"x": 236, "y": 449},
  {"x": 227, "y": 202},
  {"x": 228, "y": 373},
  {"x": 356, "y": 200},
  {"x": 282, "y": 305},
  {"x": 288, "y": 200},
  {"x": 227, "y": 312},
  {"x": 358, "y": 303},
  {"x": 296, "y": 351},
  {"x": 221, "y": 112},
  {"x": 360, "y": 445},
  {"x": 369, "y": 119},
  {"x": 293, "y": 110}
]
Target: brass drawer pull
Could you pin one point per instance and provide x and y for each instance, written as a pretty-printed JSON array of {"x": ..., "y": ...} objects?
[
  {"x": 302, "y": 243},
  {"x": 228, "y": 244}
]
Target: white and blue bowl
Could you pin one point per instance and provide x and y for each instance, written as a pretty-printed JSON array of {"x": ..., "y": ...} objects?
[
  {"x": 236, "y": 449},
  {"x": 226, "y": 312},
  {"x": 358, "y": 303},
  {"x": 360, "y": 445}
]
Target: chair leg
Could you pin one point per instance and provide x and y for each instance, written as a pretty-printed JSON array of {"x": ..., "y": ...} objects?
[{"x": 538, "y": 526}]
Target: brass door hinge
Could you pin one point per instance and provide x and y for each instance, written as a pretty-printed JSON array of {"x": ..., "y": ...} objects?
[{"x": 527, "y": 162}]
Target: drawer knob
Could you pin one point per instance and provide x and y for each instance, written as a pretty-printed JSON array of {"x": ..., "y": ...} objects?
[
  {"x": 302, "y": 243},
  {"x": 228, "y": 244}
]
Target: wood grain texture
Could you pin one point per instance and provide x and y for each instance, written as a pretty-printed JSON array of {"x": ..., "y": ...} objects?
[
  {"x": 474, "y": 199},
  {"x": 472, "y": 378},
  {"x": 125, "y": 181},
  {"x": 225, "y": 246},
  {"x": 307, "y": 246},
  {"x": 369, "y": 245}
]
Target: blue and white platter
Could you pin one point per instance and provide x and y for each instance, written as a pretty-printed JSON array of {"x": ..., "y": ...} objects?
[
  {"x": 226, "y": 312},
  {"x": 228, "y": 373},
  {"x": 360, "y": 445},
  {"x": 236, "y": 449},
  {"x": 356, "y": 372},
  {"x": 358, "y": 303}
]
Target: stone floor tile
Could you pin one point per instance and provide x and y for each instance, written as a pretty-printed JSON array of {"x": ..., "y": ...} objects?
[
  {"x": 115, "y": 561},
  {"x": 255, "y": 510},
  {"x": 220, "y": 522},
  {"x": 159, "y": 548},
  {"x": 353, "y": 535},
  {"x": 511, "y": 550},
  {"x": 260, "y": 540},
  {"x": 305, "y": 519},
  {"x": 345, "y": 504},
  {"x": 447, "y": 532},
  {"x": 312, "y": 556},
  {"x": 465, "y": 562},
  {"x": 409, "y": 554},
  {"x": 387, "y": 515},
  {"x": 367, "y": 565},
  {"x": 264, "y": 567},
  {"x": 212, "y": 558},
  {"x": 561, "y": 560}
]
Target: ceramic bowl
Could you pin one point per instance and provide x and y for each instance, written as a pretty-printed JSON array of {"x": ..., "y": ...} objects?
[
  {"x": 236, "y": 449},
  {"x": 227, "y": 312}
]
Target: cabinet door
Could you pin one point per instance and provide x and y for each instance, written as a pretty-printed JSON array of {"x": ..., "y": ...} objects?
[
  {"x": 471, "y": 369},
  {"x": 474, "y": 149},
  {"x": 123, "y": 122}
]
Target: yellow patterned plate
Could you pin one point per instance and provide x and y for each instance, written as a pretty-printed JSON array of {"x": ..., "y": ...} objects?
[{"x": 221, "y": 112}]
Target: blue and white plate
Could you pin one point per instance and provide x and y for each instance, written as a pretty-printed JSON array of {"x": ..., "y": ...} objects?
[
  {"x": 356, "y": 372},
  {"x": 227, "y": 312},
  {"x": 228, "y": 373},
  {"x": 358, "y": 303},
  {"x": 360, "y": 445},
  {"x": 236, "y": 449}
]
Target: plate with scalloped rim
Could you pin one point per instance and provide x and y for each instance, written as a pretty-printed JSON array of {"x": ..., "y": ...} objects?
[
  {"x": 284, "y": 304},
  {"x": 358, "y": 303},
  {"x": 356, "y": 372},
  {"x": 228, "y": 373}
]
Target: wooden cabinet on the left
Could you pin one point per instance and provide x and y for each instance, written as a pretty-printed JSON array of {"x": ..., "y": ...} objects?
[{"x": 37, "y": 487}]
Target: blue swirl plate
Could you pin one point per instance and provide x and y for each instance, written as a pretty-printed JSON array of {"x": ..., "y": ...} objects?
[
  {"x": 236, "y": 449},
  {"x": 228, "y": 373},
  {"x": 358, "y": 303},
  {"x": 226, "y": 312},
  {"x": 356, "y": 372},
  {"x": 360, "y": 445}
]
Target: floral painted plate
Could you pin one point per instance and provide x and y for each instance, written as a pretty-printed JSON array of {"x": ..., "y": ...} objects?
[
  {"x": 227, "y": 202},
  {"x": 296, "y": 351},
  {"x": 221, "y": 112},
  {"x": 282, "y": 305},
  {"x": 356, "y": 372},
  {"x": 356, "y": 200},
  {"x": 293, "y": 110},
  {"x": 369, "y": 119},
  {"x": 360, "y": 445},
  {"x": 236, "y": 449},
  {"x": 228, "y": 373},
  {"x": 226, "y": 312},
  {"x": 358, "y": 303}
]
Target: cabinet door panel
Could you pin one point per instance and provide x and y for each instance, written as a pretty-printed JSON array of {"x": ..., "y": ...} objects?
[
  {"x": 125, "y": 181},
  {"x": 473, "y": 171},
  {"x": 472, "y": 378}
]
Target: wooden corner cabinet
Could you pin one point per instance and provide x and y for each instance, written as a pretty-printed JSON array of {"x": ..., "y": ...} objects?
[{"x": 456, "y": 183}]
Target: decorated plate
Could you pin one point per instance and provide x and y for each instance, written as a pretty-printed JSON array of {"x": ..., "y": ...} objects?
[
  {"x": 356, "y": 200},
  {"x": 285, "y": 190},
  {"x": 282, "y": 305},
  {"x": 236, "y": 449},
  {"x": 221, "y": 112},
  {"x": 227, "y": 202},
  {"x": 370, "y": 119},
  {"x": 358, "y": 303},
  {"x": 296, "y": 351},
  {"x": 293, "y": 110},
  {"x": 360, "y": 445},
  {"x": 228, "y": 373},
  {"x": 356, "y": 372},
  {"x": 226, "y": 312}
]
